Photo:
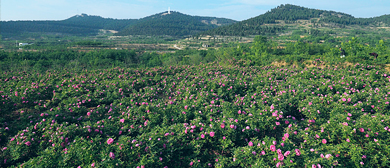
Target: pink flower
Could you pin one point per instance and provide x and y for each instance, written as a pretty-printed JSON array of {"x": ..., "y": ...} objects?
[
  {"x": 186, "y": 107},
  {"x": 89, "y": 114},
  {"x": 344, "y": 99},
  {"x": 28, "y": 143},
  {"x": 122, "y": 120},
  {"x": 93, "y": 165},
  {"x": 324, "y": 141},
  {"x": 348, "y": 140},
  {"x": 110, "y": 141},
  {"x": 361, "y": 129},
  {"x": 112, "y": 155},
  {"x": 202, "y": 136},
  {"x": 297, "y": 152},
  {"x": 280, "y": 157},
  {"x": 273, "y": 148},
  {"x": 222, "y": 125},
  {"x": 310, "y": 103},
  {"x": 286, "y": 122},
  {"x": 250, "y": 143},
  {"x": 212, "y": 134},
  {"x": 345, "y": 124},
  {"x": 275, "y": 114},
  {"x": 286, "y": 153},
  {"x": 286, "y": 135},
  {"x": 278, "y": 164}
]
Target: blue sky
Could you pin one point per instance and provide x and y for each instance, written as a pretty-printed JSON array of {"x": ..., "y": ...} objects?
[{"x": 135, "y": 9}]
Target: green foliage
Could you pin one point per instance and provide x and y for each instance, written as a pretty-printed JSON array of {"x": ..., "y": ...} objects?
[
  {"x": 77, "y": 25},
  {"x": 174, "y": 24},
  {"x": 196, "y": 116}
]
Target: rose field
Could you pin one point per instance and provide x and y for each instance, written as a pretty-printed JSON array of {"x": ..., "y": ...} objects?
[{"x": 207, "y": 115}]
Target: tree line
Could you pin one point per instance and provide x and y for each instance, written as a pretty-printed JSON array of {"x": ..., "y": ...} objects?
[{"x": 261, "y": 52}]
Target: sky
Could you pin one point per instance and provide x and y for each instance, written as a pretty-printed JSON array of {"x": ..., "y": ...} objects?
[{"x": 134, "y": 9}]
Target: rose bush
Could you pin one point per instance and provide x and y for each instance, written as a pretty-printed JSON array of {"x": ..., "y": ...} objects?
[{"x": 196, "y": 116}]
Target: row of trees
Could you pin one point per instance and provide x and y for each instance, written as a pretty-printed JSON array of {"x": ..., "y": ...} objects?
[{"x": 261, "y": 52}]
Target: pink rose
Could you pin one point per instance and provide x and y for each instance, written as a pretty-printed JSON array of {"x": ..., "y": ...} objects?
[
  {"x": 297, "y": 152},
  {"x": 112, "y": 155},
  {"x": 222, "y": 125},
  {"x": 110, "y": 141},
  {"x": 280, "y": 157},
  {"x": 273, "y": 148}
]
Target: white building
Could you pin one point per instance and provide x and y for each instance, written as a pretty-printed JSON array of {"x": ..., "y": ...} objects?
[{"x": 22, "y": 44}]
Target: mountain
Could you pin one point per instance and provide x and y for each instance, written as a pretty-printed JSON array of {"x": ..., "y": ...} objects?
[
  {"x": 77, "y": 25},
  {"x": 281, "y": 19},
  {"x": 174, "y": 24},
  {"x": 275, "y": 21},
  {"x": 99, "y": 22}
]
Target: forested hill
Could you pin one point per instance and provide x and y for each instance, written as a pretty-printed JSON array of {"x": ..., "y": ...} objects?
[
  {"x": 77, "y": 25},
  {"x": 270, "y": 22},
  {"x": 85, "y": 20},
  {"x": 174, "y": 24}
]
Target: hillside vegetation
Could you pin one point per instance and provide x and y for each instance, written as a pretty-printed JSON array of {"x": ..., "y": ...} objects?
[
  {"x": 174, "y": 24},
  {"x": 81, "y": 25},
  {"x": 269, "y": 23},
  {"x": 277, "y": 21}
]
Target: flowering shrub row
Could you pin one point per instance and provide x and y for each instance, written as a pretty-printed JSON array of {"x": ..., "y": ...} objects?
[{"x": 196, "y": 116}]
